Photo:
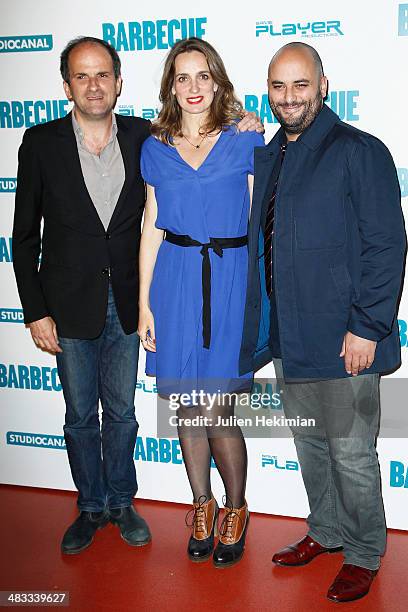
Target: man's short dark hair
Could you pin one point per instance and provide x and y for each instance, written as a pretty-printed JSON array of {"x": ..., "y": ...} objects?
[{"x": 80, "y": 40}]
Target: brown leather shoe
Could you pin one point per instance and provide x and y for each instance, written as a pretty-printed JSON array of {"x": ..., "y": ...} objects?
[
  {"x": 301, "y": 552},
  {"x": 352, "y": 582},
  {"x": 231, "y": 544},
  {"x": 204, "y": 528}
]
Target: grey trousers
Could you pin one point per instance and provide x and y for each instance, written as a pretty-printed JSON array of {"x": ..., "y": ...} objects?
[{"x": 339, "y": 462}]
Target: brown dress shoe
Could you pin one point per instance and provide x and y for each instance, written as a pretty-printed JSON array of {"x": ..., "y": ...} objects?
[
  {"x": 204, "y": 528},
  {"x": 231, "y": 544},
  {"x": 301, "y": 552},
  {"x": 352, "y": 582}
]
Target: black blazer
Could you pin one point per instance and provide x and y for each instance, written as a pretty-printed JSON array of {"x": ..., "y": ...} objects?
[{"x": 71, "y": 283}]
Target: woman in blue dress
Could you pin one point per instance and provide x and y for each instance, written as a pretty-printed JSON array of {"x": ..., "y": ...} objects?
[{"x": 198, "y": 169}]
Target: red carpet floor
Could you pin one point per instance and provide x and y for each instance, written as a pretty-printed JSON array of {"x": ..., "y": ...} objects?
[{"x": 111, "y": 575}]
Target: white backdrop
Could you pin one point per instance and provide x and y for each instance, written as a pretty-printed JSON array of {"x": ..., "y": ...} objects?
[{"x": 363, "y": 47}]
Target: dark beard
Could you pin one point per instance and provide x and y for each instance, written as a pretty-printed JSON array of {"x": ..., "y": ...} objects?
[{"x": 310, "y": 111}]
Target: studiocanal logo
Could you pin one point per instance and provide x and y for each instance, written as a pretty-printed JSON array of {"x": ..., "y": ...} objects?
[
  {"x": 398, "y": 474},
  {"x": 342, "y": 102},
  {"x": 277, "y": 463},
  {"x": 403, "y": 20},
  {"x": 8, "y": 185},
  {"x": 149, "y": 35},
  {"x": 33, "y": 378},
  {"x": 11, "y": 315},
  {"x": 26, "y": 113},
  {"x": 403, "y": 181},
  {"x": 33, "y": 42},
  {"x": 308, "y": 29},
  {"x": 22, "y": 438}
]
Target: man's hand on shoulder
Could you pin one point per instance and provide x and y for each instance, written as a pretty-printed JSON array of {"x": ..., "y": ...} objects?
[
  {"x": 251, "y": 123},
  {"x": 44, "y": 335},
  {"x": 358, "y": 353}
]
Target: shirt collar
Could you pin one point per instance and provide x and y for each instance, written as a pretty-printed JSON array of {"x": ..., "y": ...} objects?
[
  {"x": 315, "y": 133},
  {"x": 312, "y": 136},
  {"x": 80, "y": 135}
]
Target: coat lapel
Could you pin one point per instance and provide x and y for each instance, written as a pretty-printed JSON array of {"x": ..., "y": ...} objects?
[
  {"x": 69, "y": 152},
  {"x": 264, "y": 162}
]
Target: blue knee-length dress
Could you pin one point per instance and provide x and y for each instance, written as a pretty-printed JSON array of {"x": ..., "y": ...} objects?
[{"x": 212, "y": 201}]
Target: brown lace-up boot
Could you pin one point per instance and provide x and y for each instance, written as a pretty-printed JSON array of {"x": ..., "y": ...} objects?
[
  {"x": 204, "y": 528},
  {"x": 231, "y": 544}
]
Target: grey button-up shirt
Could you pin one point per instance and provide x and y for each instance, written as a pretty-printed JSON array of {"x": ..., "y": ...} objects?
[{"x": 103, "y": 174}]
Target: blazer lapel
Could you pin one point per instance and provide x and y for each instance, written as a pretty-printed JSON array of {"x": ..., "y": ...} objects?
[{"x": 127, "y": 149}]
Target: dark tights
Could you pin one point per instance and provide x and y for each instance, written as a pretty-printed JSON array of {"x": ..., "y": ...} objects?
[{"x": 225, "y": 443}]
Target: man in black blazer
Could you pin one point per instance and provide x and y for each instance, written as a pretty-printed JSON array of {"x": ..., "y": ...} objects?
[{"x": 81, "y": 176}]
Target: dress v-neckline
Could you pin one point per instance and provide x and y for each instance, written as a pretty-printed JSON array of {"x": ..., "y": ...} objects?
[{"x": 205, "y": 158}]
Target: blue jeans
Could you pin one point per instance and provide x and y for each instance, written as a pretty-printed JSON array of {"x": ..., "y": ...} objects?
[
  {"x": 339, "y": 462},
  {"x": 105, "y": 369}
]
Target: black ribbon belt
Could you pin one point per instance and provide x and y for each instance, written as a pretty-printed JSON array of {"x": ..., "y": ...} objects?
[{"x": 217, "y": 245}]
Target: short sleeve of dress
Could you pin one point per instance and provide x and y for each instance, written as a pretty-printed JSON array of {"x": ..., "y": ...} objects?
[
  {"x": 254, "y": 140},
  {"x": 146, "y": 161}
]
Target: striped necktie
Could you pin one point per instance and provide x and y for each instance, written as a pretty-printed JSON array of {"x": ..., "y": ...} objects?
[{"x": 268, "y": 235}]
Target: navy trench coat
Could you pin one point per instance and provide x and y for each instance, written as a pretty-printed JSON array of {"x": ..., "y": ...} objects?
[{"x": 339, "y": 249}]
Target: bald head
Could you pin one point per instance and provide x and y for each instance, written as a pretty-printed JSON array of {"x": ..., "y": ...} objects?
[
  {"x": 296, "y": 87},
  {"x": 299, "y": 49}
]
